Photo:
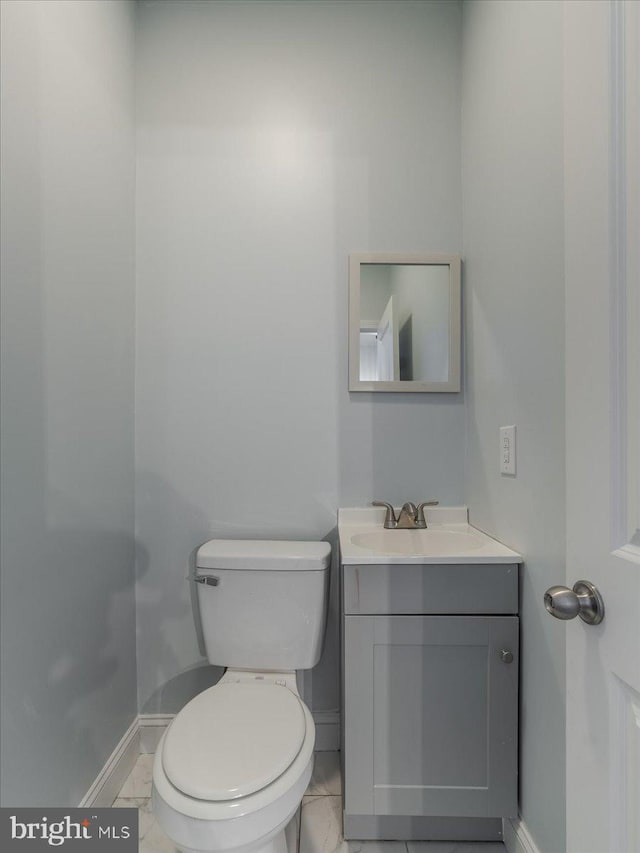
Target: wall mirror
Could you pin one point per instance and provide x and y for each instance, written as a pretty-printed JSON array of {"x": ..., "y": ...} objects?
[{"x": 404, "y": 322}]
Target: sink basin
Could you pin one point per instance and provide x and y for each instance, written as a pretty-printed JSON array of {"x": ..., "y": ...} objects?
[
  {"x": 448, "y": 539},
  {"x": 430, "y": 543}
]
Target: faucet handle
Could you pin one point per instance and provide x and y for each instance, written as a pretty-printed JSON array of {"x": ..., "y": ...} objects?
[
  {"x": 390, "y": 521},
  {"x": 420, "y": 519}
]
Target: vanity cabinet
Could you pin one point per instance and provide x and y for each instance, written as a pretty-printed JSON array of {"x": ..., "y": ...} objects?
[{"x": 430, "y": 699}]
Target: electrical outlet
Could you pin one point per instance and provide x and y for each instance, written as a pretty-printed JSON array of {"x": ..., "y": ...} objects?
[{"x": 508, "y": 450}]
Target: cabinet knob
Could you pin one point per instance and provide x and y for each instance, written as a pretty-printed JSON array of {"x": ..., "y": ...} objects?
[{"x": 506, "y": 656}]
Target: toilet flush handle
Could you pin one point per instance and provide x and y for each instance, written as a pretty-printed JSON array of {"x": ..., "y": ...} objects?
[{"x": 208, "y": 580}]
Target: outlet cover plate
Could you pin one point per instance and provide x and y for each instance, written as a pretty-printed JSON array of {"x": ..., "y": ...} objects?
[{"x": 508, "y": 450}]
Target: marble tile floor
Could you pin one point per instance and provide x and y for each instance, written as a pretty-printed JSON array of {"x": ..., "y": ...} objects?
[{"x": 316, "y": 829}]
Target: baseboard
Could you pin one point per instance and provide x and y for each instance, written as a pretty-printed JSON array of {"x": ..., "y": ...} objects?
[
  {"x": 118, "y": 766},
  {"x": 327, "y": 730},
  {"x": 410, "y": 827},
  {"x": 152, "y": 727},
  {"x": 516, "y": 837}
]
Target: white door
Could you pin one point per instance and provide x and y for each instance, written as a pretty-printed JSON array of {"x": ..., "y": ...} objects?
[
  {"x": 602, "y": 234},
  {"x": 388, "y": 350}
]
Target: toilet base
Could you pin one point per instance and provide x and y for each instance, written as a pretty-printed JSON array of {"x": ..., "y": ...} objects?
[
  {"x": 198, "y": 836},
  {"x": 284, "y": 841}
]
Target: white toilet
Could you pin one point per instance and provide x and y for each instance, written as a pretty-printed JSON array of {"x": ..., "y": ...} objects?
[{"x": 231, "y": 769}]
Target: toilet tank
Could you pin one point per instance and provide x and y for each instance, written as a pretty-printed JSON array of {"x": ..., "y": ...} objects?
[{"x": 263, "y": 604}]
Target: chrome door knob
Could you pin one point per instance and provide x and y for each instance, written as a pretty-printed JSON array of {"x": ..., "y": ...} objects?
[
  {"x": 506, "y": 656},
  {"x": 584, "y": 600}
]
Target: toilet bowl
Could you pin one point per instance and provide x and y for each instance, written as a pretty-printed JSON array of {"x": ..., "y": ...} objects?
[
  {"x": 231, "y": 770},
  {"x": 248, "y": 814}
]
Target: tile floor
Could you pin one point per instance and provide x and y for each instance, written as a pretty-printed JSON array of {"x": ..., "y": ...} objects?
[{"x": 318, "y": 828}]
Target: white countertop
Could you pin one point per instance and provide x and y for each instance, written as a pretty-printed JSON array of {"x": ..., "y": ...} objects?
[{"x": 449, "y": 538}]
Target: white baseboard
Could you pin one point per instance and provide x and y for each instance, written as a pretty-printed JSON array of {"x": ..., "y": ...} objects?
[
  {"x": 516, "y": 837},
  {"x": 327, "y": 730},
  {"x": 152, "y": 727},
  {"x": 118, "y": 766}
]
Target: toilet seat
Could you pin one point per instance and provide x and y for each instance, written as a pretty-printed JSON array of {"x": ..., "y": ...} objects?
[
  {"x": 233, "y": 740},
  {"x": 292, "y": 782}
]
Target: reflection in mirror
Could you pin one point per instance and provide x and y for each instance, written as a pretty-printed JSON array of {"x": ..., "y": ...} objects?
[{"x": 404, "y": 323}]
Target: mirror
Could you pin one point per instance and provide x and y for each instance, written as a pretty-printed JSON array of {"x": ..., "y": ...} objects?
[{"x": 404, "y": 322}]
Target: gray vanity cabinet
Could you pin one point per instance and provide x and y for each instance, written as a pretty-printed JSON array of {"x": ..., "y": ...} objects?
[{"x": 429, "y": 704}]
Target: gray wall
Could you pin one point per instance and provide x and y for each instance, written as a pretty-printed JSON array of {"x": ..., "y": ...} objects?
[
  {"x": 273, "y": 139},
  {"x": 514, "y": 287},
  {"x": 68, "y": 607}
]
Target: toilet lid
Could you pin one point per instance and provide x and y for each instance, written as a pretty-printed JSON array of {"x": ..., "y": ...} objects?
[{"x": 233, "y": 739}]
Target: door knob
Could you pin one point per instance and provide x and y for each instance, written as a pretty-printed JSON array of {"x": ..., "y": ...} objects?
[{"x": 583, "y": 600}]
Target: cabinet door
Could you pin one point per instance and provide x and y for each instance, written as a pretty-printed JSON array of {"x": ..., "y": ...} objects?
[{"x": 431, "y": 715}]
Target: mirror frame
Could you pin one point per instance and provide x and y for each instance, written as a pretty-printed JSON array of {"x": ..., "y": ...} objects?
[{"x": 452, "y": 384}]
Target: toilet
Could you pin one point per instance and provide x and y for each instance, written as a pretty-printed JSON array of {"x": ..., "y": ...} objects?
[{"x": 233, "y": 766}]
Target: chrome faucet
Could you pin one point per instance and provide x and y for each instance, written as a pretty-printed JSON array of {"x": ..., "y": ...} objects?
[{"x": 410, "y": 517}]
